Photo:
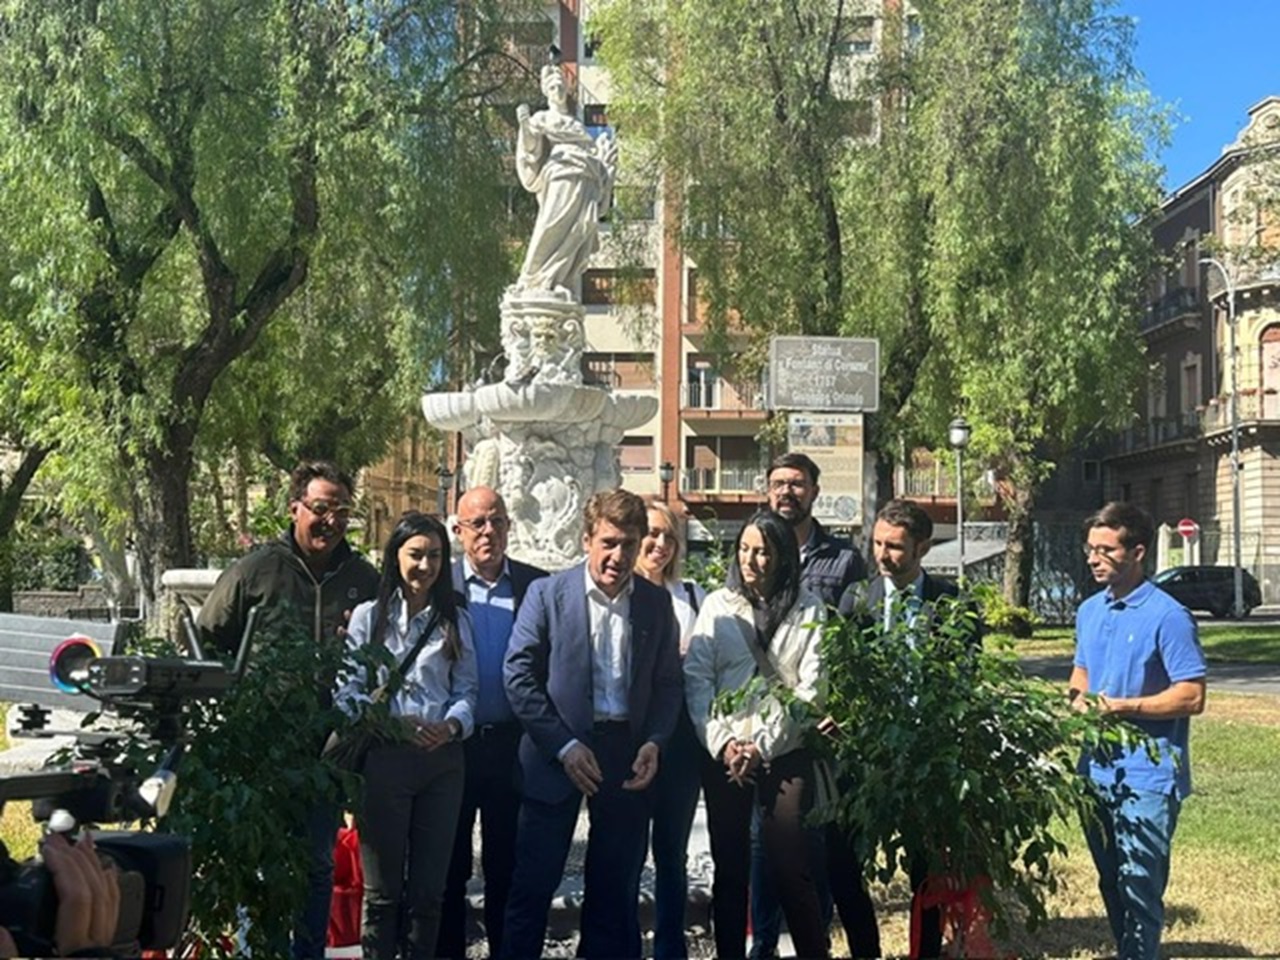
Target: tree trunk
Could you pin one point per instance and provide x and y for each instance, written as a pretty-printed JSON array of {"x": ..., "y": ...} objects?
[
  {"x": 1019, "y": 544},
  {"x": 163, "y": 512},
  {"x": 10, "y": 505}
]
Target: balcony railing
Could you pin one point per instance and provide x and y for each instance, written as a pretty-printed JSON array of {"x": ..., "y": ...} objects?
[
  {"x": 716, "y": 394},
  {"x": 939, "y": 480},
  {"x": 1160, "y": 430},
  {"x": 1243, "y": 275},
  {"x": 729, "y": 477},
  {"x": 1178, "y": 302},
  {"x": 1253, "y": 406}
]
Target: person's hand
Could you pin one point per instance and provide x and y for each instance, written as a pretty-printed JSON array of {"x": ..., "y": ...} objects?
[
  {"x": 88, "y": 894},
  {"x": 741, "y": 757},
  {"x": 342, "y": 627},
  {"x": 829, "y": 727},
  {"x": 431, "y": 735},
  {"x": 7, "y": 947},
  {"x": 645, "y": 767},
  {"x": 581, "y": 767}
]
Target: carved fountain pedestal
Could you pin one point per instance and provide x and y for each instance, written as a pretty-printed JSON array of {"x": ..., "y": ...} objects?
[{"x": 540, "y": 437}]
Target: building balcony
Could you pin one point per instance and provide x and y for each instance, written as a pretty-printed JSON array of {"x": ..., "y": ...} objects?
[
  {"x": 729, "y": 477},
  {"x": 1159, "y": 431},
  {"x": 1254, "y": 407},
  {"x": 706, "y": 399},
  {"x": 1179, "y": 307},
  {"x": 1246, "y": 276}
]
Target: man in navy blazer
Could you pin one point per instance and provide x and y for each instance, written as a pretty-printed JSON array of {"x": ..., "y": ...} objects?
[
  {"x": 902, "y": 535},
  {"x": 593, "y": 675}
]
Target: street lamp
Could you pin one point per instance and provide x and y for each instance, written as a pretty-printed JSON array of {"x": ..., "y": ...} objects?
[
  {"x": 958, "y": 434},
  {"x": 444, "y": 477},
  {"x": 1238, "y": 609},
  {"x": 666, "y": 473}
]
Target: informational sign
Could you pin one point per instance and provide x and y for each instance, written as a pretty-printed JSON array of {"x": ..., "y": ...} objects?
[
  {"x": 830, "y": 374},
  {"x": 834, "y": 442}
]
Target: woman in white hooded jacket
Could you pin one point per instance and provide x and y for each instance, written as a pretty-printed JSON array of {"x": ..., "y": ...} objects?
[{"x": 762, "y": 623}]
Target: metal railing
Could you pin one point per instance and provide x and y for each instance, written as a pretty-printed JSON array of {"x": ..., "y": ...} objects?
[
  {"x": 718, "y": 394},
  {"x": 729, "y": 477}
]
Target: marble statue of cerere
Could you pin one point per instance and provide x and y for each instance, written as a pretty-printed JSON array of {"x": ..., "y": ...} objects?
[{"x": 572, "y": 174}]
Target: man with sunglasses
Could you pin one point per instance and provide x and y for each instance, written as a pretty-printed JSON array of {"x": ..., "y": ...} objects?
[
  {"x": 1138, "y": 655},
  {"x": 306, "y": 581},
  {"x": 491, "y": 586}
]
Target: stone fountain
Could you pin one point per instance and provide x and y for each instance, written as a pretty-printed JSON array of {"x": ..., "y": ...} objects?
[{"x": 540, "y": 436}]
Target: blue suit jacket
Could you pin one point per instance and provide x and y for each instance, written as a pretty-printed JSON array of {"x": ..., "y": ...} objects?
[{"x": 548, "y": 675}]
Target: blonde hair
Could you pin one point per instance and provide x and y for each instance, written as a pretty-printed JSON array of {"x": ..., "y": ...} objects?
[{"x": 672, "y": 570}]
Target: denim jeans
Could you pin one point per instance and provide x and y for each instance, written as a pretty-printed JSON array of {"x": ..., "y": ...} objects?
[
  {"x": 1130, "y": 843},
  {"x": 311, "y": 924}
]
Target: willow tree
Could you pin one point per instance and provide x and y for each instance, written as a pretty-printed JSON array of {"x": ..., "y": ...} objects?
[
  {"x": 1039, "y": 256},
  {"x": 962, "y": 183},
  {"x": 176, "y": 172}
]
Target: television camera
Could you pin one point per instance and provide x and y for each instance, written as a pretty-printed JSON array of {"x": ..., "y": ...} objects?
[{"x": 101, "y": 783}]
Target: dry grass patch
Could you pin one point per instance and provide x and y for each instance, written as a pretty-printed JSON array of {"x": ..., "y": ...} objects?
[{"x": 1242, "y": 708}]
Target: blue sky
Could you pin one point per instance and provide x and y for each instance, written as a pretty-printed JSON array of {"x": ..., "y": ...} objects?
[{"x": 1211, "y": 61}]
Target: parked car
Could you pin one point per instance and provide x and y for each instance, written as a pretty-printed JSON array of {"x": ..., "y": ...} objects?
[{"x": 1208, "y": 588}]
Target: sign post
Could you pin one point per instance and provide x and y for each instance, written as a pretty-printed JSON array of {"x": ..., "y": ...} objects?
[{"x": 1188, "y": 528}]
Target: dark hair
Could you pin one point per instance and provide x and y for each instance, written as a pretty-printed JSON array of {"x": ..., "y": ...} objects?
[
  {"x": 795, "y": 461},
  {"x": 910, "y": 516},
  {"x": 301, "y": 476},
  {"x": 415, "y": 524},
  {"x": 1133, "y": 523},
  {"x": 624, "y": 509},
  {"x": 784, "y": 579}
]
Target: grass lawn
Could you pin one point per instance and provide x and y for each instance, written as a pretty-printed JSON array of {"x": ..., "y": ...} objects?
[
  {"x": 17, "y": 829},
  {"x": 1225, "y": 881},
  {"x": 1221, "y": 641}
]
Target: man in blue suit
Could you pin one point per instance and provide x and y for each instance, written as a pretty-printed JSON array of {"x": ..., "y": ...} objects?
[{"x": 593, "y": 675}]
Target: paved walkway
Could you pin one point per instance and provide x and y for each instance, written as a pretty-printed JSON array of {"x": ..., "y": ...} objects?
[{"x": 1231, "y": 676}]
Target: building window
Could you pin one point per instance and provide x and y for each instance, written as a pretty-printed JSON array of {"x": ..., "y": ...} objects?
[
  {"x": 607, "y": 287},
  {"x": 856, "y": 118},
  {"x": 635, "y": 455},
  {"x": 857, "y": 36},
  {"x": 722, "y": 465},
  {"x": 1091, "y": 471},
  {"x": 619, "y": 371},
  {"x": 590, "y": 45},
  {"x": 1192, "y": 398},
  {"x": 595, "y": 117}
]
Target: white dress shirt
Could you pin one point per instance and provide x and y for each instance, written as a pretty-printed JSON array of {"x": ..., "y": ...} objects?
[{"x": 610, "y": 649}]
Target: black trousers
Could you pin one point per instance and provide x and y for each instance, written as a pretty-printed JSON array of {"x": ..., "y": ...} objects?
[
  {"x": 491, "y": 791},
  {"x": 784, "y": 793}
]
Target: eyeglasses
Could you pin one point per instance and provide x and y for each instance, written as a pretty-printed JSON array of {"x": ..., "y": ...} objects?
[
  {"x": 1104, "y": 550},
  {"x": 477, "y": 524},
  {"x": 323, "y": 508},
  {"x": 780, "y": 485}
]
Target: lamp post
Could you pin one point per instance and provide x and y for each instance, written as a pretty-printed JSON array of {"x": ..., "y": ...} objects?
[
  {"x": 1238, "y": 607},
  {"x": 444, "y": 478},
  {"x": 666, "y": 473},
  {"x": 958, "y": 434}
]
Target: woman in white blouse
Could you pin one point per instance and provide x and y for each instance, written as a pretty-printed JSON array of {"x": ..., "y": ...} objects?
[
  {"x": 765, "y": 624},
  {"x": 412, "y": 789},
  {"x": 675, "y": 792}
]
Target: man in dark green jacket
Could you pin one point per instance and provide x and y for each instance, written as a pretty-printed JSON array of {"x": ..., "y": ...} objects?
[{"x": 309, "y": 579}]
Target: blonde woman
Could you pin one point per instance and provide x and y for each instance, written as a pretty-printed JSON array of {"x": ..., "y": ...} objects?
[{"x": 676, "y": 789}]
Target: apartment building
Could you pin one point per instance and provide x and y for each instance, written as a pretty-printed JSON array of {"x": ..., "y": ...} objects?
[{"x": 1176, "y": 458}]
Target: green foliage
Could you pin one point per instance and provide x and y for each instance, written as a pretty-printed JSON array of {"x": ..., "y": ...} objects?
[
  {"x": 250, "y": 778},
  {"x": 951, "y": 754},
  {"x": 43, "y": 556},
  {"x": 223, "y": 234},
  {"x": 1002, "y": 616}
]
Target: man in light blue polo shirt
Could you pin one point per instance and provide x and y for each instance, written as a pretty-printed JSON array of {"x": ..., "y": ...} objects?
[{"x": 1137, "y": 650}]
